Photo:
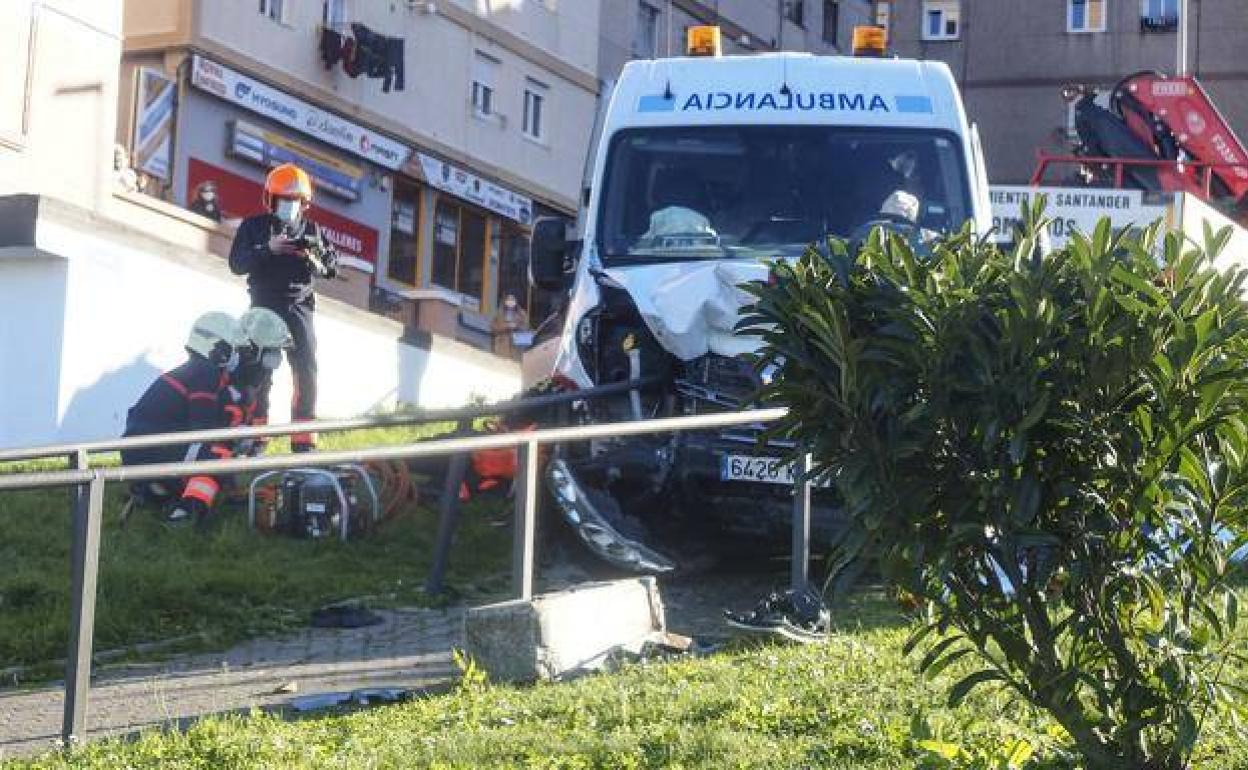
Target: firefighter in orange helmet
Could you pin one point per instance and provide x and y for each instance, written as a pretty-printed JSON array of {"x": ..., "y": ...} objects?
[{"x": 282, "y": 251}]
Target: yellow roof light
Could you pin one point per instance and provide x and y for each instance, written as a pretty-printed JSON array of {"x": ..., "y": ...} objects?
[
  {"x": 703, "y": 41},
  {"x": 870, "y": 41}
]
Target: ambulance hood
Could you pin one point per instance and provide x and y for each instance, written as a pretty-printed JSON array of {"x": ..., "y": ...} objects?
[{"x": 692, "y": 308}]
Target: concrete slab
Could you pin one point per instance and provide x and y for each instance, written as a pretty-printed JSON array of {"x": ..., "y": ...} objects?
[{"x": 562, "y": 632}]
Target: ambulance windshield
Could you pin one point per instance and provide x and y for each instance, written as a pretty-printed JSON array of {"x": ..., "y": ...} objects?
[{"x": 742, "y": 191}]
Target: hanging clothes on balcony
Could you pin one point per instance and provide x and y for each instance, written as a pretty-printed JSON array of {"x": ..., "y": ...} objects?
[{"x": 377, "y": 56}]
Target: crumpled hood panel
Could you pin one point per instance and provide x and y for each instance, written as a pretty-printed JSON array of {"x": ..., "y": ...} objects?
[{"x": 691, "y": 308}]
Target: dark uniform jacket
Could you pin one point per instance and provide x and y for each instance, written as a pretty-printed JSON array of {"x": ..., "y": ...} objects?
[
  {"x": 280, "y": 279},
  {"x": 189, "y": 397}
]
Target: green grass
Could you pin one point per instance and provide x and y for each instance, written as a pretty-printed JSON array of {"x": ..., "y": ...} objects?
[
  {"x": 221, "y": 586},
  {"x": 852, "y": 703}
]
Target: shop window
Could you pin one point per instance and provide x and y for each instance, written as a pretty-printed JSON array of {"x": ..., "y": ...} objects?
[
  {"x": 470, "y": 277},
  {"x": 831, "y": 19},
  {"x": 534, "y": 109},
  {"x": 941, "y": 19},
  {"x": 445, "y": 244},
  {"x": 509, "y": 246},
  {"x": 646, "y": 41},
  {"x": 404, "y": 234},
  {"x": 459, "y": 250},
  {"x": 1085, "y": 15}
]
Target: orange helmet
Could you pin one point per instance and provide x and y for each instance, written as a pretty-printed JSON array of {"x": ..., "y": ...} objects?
[{"x": 287, "y": 181}]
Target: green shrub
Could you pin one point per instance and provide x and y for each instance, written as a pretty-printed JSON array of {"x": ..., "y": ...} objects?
[{"x": 1050, "y": 452}]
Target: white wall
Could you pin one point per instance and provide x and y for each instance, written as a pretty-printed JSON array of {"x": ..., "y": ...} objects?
[
  {"x": 96, "y": 317},
  {"x": 58, "y": 115}
]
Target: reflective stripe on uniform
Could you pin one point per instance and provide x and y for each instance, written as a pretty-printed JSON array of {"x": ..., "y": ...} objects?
[
  {"x": 202, "y": 488},
  {"x": 171, "y": 382}
]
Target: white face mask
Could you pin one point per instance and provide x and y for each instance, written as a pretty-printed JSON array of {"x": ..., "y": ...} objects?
[
  {"x": 287, "y": 210},
  {"x": 271, "y": 359},
  {"x": 232, "y": 363}
]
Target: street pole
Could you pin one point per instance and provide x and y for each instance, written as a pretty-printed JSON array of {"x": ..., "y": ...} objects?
[{"x": 1181, "y": 70}]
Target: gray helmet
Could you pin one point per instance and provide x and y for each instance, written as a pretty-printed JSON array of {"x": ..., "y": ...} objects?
[
  {"x": 215, "y": 335},
  {"x": 265, "y": 329}
]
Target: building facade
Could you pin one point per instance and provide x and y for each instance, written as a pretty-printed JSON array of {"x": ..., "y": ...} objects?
[
  {"x": 435, "y": 131},
  {"x": 1012, "y": 58},
  {"x": 646, "y": 29}
]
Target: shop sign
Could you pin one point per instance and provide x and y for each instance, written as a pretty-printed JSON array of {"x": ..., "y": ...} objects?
[
  {"x": 269, "y": 149},
  {"x": 239, "y": 197},
  {"x": 295, "y": 113},
  {"x": 153, "y": 122},
  {"x": 462, "y": 184}
]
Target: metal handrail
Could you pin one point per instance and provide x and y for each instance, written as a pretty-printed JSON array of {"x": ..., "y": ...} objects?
[
  {"x": 430, "y": 448},
  {"x": 88, "y": 508},
  {"x": 318, "y": 426}
]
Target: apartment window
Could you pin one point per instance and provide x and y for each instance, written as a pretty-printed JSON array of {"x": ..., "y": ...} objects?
[
  {"x": 274, "y": 9},
  {"x": 831, "y": 19},
  {"x": 459, "y": 249},
  {"x": 334, "y": 13},
  {"x": 795, "y": 11},
  {"x": 646, "y": 41},
  {"x": 534, "y": 109},
  {"x": 482, "y": 98},
  {"x": 484, "y": 68},
  {"x": 1085, "y": 15},
  {"x": 941, "y": 19},
  {"x": 1159, "y": 15},
  {"x": 404, "y": 234},
  {"x": 883, "y": 14}
]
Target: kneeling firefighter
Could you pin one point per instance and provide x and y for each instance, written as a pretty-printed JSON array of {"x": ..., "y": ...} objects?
[
  {"x": 265, "y": 337},
  {"x": 187, "y": 398}
]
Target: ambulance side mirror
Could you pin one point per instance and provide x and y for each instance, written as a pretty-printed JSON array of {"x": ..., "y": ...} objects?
[{"x": 549, "y": 254}]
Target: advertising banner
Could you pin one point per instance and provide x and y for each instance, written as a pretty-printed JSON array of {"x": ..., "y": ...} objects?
[
  {"x": 269, "y": 149},
  {"x": 262, "y": 99},
  {"x": 463, "y": 184},
  {"x": 153, "y": 122}
]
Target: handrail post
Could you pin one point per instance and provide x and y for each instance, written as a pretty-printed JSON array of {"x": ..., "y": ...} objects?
[
  {"x": 801, "y": 524},
  {"x": 448, "y": 515},
  {"x": 526, "y": 521},
  {"x": 85, "y": 560}
]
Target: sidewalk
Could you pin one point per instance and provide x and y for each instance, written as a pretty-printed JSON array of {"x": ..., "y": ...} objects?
[{"x": 411, "y": 649}]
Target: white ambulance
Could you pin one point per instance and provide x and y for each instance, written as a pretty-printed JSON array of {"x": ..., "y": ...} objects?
[{"x": 708, "y": 166}]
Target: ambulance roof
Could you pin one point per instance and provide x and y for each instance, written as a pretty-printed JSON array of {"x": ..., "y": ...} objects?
[{"x": 821, "y": 90}]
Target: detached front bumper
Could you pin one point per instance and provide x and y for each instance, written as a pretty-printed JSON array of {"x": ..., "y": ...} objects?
[{"x": 582, "y": 507}]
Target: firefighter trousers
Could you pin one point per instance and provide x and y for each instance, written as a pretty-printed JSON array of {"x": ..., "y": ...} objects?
[{"x": 302, "y": 359}]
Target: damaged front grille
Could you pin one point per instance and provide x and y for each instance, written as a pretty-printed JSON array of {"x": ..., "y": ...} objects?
[{"x": 728, "y": 383}]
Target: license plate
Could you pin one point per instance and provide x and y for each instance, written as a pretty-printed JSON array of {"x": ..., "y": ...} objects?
[{"x": 767, "y": 470}]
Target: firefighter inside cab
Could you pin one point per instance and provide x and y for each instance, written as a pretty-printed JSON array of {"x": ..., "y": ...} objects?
[{"x": 282, "y": 251}]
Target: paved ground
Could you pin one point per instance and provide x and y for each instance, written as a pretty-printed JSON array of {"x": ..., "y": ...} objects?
[{"x": 412, "y": 649}]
